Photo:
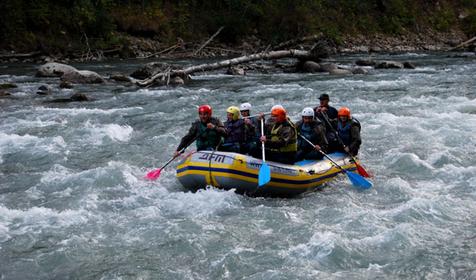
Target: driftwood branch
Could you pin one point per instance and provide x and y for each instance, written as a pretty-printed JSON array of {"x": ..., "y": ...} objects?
[
  {"x": 184, "y": 73},
  {"x": 209, "y": 40},
  {"x": 20, "y": 55},
  {"x": 169, "y": 49},
  {"x": 465, "y": 43},
  {"x": 223, "y": 50},
  {"x": 297, "y": 41}
]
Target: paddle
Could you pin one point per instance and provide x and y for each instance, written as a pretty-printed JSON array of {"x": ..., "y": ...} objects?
[
  {"x": 356, "y": 179},
  {"x": 254, "y": 116},
  {"x": 155, "y": 174},
  {"x": 360, "y": 169},
  {"x": 264, "y": 175}
]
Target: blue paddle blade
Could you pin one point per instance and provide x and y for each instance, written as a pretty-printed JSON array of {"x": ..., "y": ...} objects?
[
  {"x": 264, "y": 175},
  {"x": 358, "y": 180}
]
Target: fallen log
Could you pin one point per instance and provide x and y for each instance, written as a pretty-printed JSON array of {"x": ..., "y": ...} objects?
[
  {"x": 20, "y": 55},
  {"x": 185, "y": 73},
  {"x": 465, "y": 43}
]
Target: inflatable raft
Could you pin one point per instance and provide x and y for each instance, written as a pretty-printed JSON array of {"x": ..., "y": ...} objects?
[{"x": 236, "y": 171}]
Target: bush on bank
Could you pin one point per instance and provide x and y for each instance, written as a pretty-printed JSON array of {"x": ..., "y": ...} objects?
[{"x": 79, "y": 25}]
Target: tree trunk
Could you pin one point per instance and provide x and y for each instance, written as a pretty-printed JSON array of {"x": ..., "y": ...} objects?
[
  {"x": 463, "y": 44},
  {"x": 185, "y": 73}
]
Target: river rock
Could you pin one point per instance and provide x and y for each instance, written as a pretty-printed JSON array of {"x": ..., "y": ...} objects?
[
  {"x": 388, "y": 64},
  {"x": 328, "y": 67},
  {"x": 120, "y": 78},
  {"x": 365, "y": 62},
  {"x": 7, "y": 86},
  {"x": 149, "y": 70},
  {"x": 4, "y": 93},
  {"x": 65, "y": 84},
  {"x": 339, "y": 71},
  {"x": 408, "y": 65},
  {"x": 359, "y": 71},
  {"x": 44, "y": 90},
  {"x": 53, "y": 69},
  {"x": 82, "y": 77},
  {"x": 311, "y": 67},
  {"x": 177, "y": 81},
  {"x": 237, "y": 71},
  {"x": 79, "y": 97},
  {"x": 322, "y": 49}
]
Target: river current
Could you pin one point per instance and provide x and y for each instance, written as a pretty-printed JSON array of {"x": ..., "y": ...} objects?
[{"x": 74, "y": 203}]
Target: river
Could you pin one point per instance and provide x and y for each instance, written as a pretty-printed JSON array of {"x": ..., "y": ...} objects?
[{"x": 74, "y": 203}]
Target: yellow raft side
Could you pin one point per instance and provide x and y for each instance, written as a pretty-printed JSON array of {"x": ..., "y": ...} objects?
[{"x": 231, "y": 170}]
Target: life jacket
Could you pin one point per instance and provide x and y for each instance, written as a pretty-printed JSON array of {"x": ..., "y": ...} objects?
[
  {"x": 344, "y": 130},
  {"x": 307, "y": 132},
  {"x": 208, "y": 138},
  {"x": 292, "y": 145},
  {"x": 257, "y": 124},
  {"x": 235, "y": 130}
]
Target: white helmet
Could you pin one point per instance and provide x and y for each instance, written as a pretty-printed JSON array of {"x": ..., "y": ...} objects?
[
  {"x": 277, "y": 106},
  {"x": 307, "y": 112},
  {"x": 245, "y": 107}
]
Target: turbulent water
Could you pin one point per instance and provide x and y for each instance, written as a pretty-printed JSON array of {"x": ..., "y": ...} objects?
[{"x": 74, "y": 202}]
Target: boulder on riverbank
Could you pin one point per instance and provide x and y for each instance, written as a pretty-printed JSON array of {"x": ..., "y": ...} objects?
[
  {"x": 82, "y": 77},
  {"x": 68, "y": 73},
  {"x": 54, "y": 69},
  {"x": 77, "y": 97}
]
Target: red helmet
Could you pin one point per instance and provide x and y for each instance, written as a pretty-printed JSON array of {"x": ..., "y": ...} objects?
[
  {"x": 280, "y": 114},
  {"x": 205, "y": 109},
  {"x": 344, "y": 112}
]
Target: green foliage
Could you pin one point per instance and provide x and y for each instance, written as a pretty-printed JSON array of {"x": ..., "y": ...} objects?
[
  {"x": 59, "y": 25},
  {"x": 469, "y": 23},
  {"x": 444, "y": 17}
]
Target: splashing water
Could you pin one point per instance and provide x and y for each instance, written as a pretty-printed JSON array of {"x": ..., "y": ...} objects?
[{"x": 74, "y": 204}]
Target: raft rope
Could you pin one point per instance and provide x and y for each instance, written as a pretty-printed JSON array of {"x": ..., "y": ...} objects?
[{"x": 210, "y": 162}]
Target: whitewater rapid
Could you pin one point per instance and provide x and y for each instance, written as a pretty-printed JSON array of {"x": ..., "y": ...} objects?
[{"x": 74, "y": 202}]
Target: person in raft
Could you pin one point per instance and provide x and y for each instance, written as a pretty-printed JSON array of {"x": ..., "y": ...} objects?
[
  {"x": 252, "y": 130},
  {"x": 313, "y": 130},
  {"x": 328, "y": 116},
  {"x": 236, "y": 128},
  {"x": 207, "y": 130},
  {"x": 280, "y": 137},
  {"x": 348, "y": 129}
]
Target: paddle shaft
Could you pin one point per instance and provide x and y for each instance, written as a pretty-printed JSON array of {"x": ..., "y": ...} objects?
[
  {"x": 356, "y": 179},
  {"x": 174, "y": 157},
  {"x": 254, "y": 116},
  {"x": 180, "y": 152},
  {"x": 324, "y": 154},
  {"x": 262, "y": 143}
]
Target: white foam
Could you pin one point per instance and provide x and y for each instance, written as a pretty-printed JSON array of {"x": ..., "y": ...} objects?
[
  {"x": 17, "y": 222},
  {"x": 362, "y": 84},
  {"x": 85, "y": 111},
  {"x": 203, "y": 203},
  {"x": 57, "y": 173},
  {"x": 37, "y": 123},
  {"x": 115, "y": 132},
  {"x": 319, "y": 246},
  {"x": 280, "y": 88},
  {"x": 10, "y": 143}
]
